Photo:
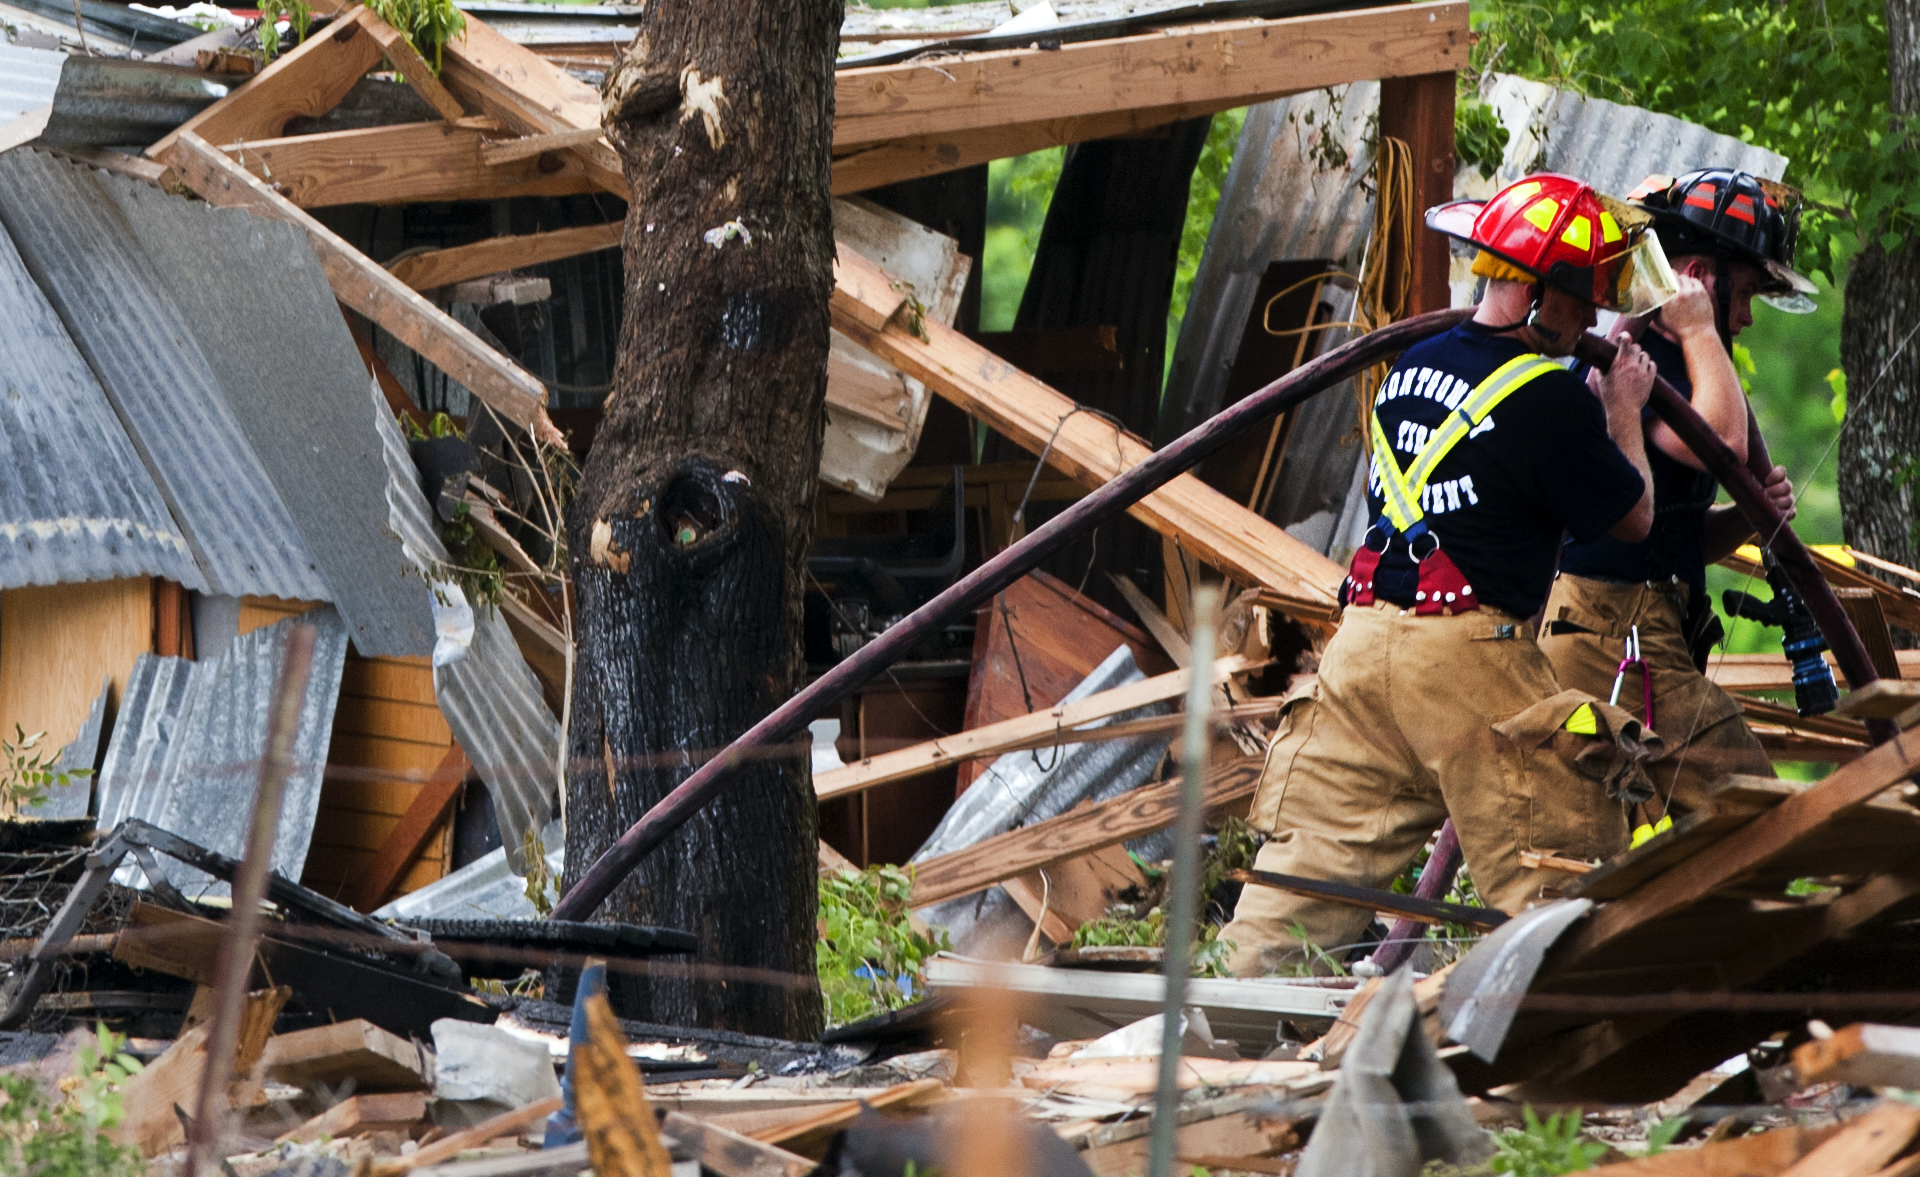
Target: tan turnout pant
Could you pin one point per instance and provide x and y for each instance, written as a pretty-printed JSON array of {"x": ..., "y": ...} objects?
[
  {"x": 1413, "y": 719},
  {"x": 1703, "y": 734}
]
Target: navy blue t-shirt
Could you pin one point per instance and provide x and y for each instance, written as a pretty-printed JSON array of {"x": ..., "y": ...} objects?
[
  {"x": 1681, "y": 495},
  {"x": 1541, "y": 464}
]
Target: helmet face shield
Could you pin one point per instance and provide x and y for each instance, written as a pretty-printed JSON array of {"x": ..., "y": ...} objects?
[{"x": 1638, "y": 281}]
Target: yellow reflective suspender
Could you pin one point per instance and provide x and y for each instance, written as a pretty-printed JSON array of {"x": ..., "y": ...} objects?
[{"x": 1401, "y": 491}]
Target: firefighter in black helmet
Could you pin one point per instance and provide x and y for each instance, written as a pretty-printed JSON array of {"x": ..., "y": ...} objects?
[{"x": 1633, "y": 618}]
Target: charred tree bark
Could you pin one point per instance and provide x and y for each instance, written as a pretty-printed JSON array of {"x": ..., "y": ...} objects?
[
  {"x": 690, "y": 529},
  {"x": 1881, "y": 438}
]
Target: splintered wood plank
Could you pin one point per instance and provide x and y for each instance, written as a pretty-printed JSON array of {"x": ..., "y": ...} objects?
[
  {"x": 994, "y": 738},
  {"x": 811, "y": 1136},
  {"x": 730, "y": 1154},
  {"x": 412, "y": 162},
  {"x": 307, "y": 81},
  {"x": 529, "y": 94},
  {"x": 527, "y": 146},
  {"x": 367, "y": 288},
  {"x": 622, "y": 1136},
  {"x": 1211, "y": 526},
  {"x": 1076, "y": 832},
  {"x": 1734, "y": 858},
  {"x": 1865, "y": 1144},
  {"x": 1769, "y": 1152},
  {"x": 360, "y": 1114},
  {"x": 1883, "y": 698},
  {"x": 444, "y": 267},
  {"x": 1231, "y": 62}
]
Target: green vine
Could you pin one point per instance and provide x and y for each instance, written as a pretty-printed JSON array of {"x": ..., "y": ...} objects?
[
  {"x": 296, "y": 13},
  {"x": 424, "y": 23},
  {"x": 869, "y": 955}
]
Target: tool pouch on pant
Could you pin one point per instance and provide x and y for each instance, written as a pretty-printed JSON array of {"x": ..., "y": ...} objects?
[{"x": 1599, "y": 741}]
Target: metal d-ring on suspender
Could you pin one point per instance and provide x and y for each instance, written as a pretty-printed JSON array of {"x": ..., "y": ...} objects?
[{"x": 1443, "y": 587}]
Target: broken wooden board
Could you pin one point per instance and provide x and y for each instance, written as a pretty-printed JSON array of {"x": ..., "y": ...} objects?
[
  {"x": 1736, "y": 858},
  {"x": 1862, "y": 1055},
  {"x": 172, "y": 1081},
  {"x": 358, "y": 1115},
  {"x": 1883, "y": 698},
  {"x": 1034, "y": 643},
  {"x": 1021, "y": 732},
  {"x": 406, "y": 163},
  {"x": 1231, "y": 63},
  {"x": 1863, "y": 1146},
  {"x": 1128, "y": 1080},
  {"x": 1763, "y": 1155},
  {"x": 811, "y": 1136},
  {"x": 1214, "y": 528},
  {"x": 511, "y": 1123},
  {"x": 356, "y": 1052},
  {"x": 1076, "y": 832},
  {"x": 444, "y": 267},
  {"x": 367, "y": 288},
  {"x": 731, "y": 1154}
]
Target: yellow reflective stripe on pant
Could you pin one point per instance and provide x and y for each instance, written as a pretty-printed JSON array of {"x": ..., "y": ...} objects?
[{"x": 1400, "y": 491}]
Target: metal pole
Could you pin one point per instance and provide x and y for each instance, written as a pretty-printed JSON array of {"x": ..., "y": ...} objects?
[
  {"x": 977, "y": 587},
  {"x": 243, "y": 926},
  {"x": 1183, "y": 889}
]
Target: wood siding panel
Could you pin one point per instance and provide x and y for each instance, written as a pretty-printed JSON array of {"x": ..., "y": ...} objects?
[{"x": 58, "y": 642}]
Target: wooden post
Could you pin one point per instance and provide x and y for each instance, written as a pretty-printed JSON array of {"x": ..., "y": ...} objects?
[{"x": 1419, "y": 111}]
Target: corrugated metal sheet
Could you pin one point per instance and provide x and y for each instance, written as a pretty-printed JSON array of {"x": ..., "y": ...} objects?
[
  {"x": 271, "y": 332},
  {"x": 490, "y": 698},
  {"x": 190, "y": 736},
  {"x": 484, "y": 889},
  {"x": 28, "y": 78},
  {"x": 109, "y": 102},
  {"x": 76, "y": 503},
  {"x": 127, "y": 320}
]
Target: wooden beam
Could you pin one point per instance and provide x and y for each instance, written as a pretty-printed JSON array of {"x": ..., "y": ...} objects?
[
  {"x": 1091, "y": 827},
  {"x": 1772, "y": 672},
  {"x": 307, "y": 81},
  {"x": 729, "y": 1153},
  {"x": 1009, "y": 734},
  {"x": 913, "y": 157},
  {"x": 527, "y": 146},
  {"x": 1734, "y": 857},
  {"x": 1208, "y": 524},
  {"x": 1230, "y": 62},
  {"x": 1418, "y": 110},
  {"x": 811, "y": 1136},
  {"x": 412, "y": 162},
  {"x": 444, "y": 267},
  {"x": 378, "y": 295},
  {"x": 409, "y": 838},
  {"x": 407, "y": 62},
  {"x": 529, "y": 94}
]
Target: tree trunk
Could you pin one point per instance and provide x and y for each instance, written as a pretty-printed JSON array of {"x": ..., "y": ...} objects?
[
  {"x": 689, "y": 533},
  {"x": 1881, "y": 439}
]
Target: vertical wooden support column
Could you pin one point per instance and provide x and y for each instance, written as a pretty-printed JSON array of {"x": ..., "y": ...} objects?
[{"x": 1419, "y": 111}]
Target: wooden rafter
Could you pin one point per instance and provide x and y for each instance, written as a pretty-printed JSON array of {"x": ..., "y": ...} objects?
[
  {"x": 1213, "y": 527},
  {"x": 305, "y": 82},
  {"x": 367, "y": 288},
  {"x": 443, "y": 267},
  {"x": 407, "y": 62},
  {"x": 409, "y": 162},
  {"x": 1199, "y": 68}
]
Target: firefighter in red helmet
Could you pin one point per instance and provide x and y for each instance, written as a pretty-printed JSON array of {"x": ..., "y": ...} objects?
[
  {"x": 1432, "y": 699},
  {"x": 1730, "y": 236}
]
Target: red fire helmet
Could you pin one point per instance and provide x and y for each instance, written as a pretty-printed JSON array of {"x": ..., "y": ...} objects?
[{"x": 1561, "y": 231}]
